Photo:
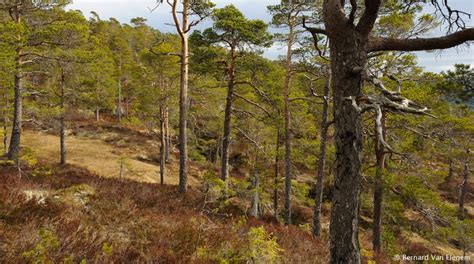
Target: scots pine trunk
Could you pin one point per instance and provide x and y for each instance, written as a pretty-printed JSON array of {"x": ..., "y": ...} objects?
[
  {"x": 183, "y": 100},
  {"x": 378, "y": 188},
  {"x": 226, "y": 139},
  {"x": 14, "y": 149},
  {"x": 348, "y": 58},
  {"x": 349, "y": 46},
  {"x": 62, "y": 125},
  {"x": 288, "y": 173},
  {"x": 15, "y": 140},
  {"x": 254, "y": 210},
  {"x": 162, "y": 145},
  {"x": 276, "y": 174},
  {"x": 463, "y": 190},
  {"x": 321, "y": 161},
  {"x": 167, "y": 135},
  {"x": 119, "y": 99}
]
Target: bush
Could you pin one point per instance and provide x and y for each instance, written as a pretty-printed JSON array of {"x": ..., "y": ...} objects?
[
  {"x": 40, "y": 254},
  {"x": 257, "y": 246},
  {"x": 263, "y": 247}
]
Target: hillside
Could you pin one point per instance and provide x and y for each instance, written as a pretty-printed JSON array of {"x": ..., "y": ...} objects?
[
  {"x": 72, "y": 214},
  {"x": 102, "y": 153},
  {"x": 303, "y": 132}
]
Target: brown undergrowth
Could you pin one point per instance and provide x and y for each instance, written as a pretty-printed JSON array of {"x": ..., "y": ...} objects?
[{"x": 69, "y": 215}]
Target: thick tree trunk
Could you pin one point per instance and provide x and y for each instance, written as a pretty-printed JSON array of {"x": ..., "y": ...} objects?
[
  {"x": 276, "y": 180},
  {"x": 62, "y": 125},
  {"x": 163, "y": 145},
  {"x": 15, "y": 140},
  {"x": 14, "y": 149},
  {"x": 378, "y": 188},
  {"x": 463, "y": 190},
  {"x": 226, "y": 139},
  {"x": 288, "y": 173},
  {"x": 348, "y": 58},
  {"x": 349, "y": 45},
  {"x": 321, "y": 161},
  {"x": 183, "y": 102}
]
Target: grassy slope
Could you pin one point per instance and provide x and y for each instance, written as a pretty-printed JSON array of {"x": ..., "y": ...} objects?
[{"x": 99, "y": 157}]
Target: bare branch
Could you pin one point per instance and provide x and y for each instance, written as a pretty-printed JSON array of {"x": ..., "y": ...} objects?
[
  {"x": 378, "y": 121},
  {"x": 314, "y": 30},
  {"x": 249, "y": 138},
  {"x": 416, "y": 44}
]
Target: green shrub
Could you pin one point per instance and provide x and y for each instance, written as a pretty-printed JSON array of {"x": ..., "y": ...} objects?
[
  {"x": 257, "y": 246},
  {"x": 41, "y": 253},
  {"x": 107, "y": 249},
  {"x": 263, "y": 247}
]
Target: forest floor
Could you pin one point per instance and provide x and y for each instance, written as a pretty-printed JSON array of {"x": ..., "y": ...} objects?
[
  {"x": 103, "y": 153},
  {"x": 85, "y": 211},
  {"x": 70, "y": 215}
]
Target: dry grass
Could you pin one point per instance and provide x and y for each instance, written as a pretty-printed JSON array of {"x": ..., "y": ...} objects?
[
  {"x": 416, "y": 245},
  {"x": 100, "y": 158}
]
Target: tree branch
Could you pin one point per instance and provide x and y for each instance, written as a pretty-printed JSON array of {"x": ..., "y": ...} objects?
[
  {"x": 353, "y": 11},
  {"x": 314, "y": 30},
  {"x": 253, "y": 103},
  {"x": 367, "y": 21},
  {"x": 445, "y": 42}
]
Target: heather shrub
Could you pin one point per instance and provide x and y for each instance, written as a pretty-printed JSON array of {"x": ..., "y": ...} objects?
[{"x": 256, "y": 245}]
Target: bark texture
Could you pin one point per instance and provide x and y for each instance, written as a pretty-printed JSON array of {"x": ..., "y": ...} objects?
[
  {"x": 183, "y": 28},
  {"x": 287, "y": 115},
  {"x": 349, "y": 45},
  {"x": 348, "y": 57},
  {"x": 14, "y": 148},
  {"x": 321, "y": 161},
  {"x": 226, "y": 138}
]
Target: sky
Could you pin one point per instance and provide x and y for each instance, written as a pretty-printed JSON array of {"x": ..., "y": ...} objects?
[{"x": 124, "y": 10}]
